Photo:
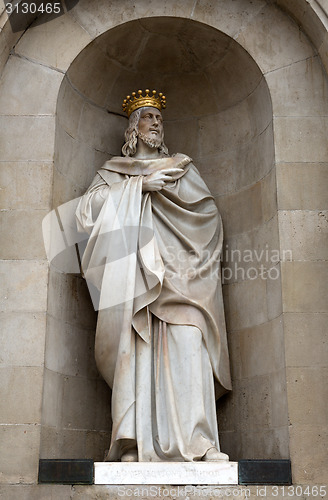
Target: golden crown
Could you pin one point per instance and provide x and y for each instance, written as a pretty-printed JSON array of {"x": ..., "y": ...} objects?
[{"x": 131, "y": 103}]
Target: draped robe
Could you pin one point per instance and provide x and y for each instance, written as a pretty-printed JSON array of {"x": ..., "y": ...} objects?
[{"x": 154, "y": 260}]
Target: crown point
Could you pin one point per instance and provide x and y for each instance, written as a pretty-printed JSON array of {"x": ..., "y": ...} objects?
[
  {"x": 133, "y": 93},
  {"x": 128, "y": 97},
  {"x": 140, "y": 92},
  {"x": 154, "y": 92},
  {"x": 147, "y": 91}
]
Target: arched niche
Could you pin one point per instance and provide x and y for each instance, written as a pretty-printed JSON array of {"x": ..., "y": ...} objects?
[{"x": 219, "y": 112}]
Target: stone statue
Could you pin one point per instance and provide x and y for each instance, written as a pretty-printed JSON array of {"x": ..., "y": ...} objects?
[{"x": 153, "y": 254}]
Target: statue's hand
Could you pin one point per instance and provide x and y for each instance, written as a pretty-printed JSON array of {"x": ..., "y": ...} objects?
[{"x": 157, "y": 180}]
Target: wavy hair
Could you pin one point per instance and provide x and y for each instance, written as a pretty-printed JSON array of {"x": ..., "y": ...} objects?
[{"x": 131, "y": 136}]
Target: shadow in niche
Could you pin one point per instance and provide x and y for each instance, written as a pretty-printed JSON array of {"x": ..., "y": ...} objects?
[
  {"x": 23, "y": 13},
  {"x": 218, "y": 112}
]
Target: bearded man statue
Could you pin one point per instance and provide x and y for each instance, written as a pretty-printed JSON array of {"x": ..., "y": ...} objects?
[{"x": 153, "y": 258}]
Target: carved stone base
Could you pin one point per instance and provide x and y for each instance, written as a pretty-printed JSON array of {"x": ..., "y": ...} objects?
[{"x": 218, "y": 473}]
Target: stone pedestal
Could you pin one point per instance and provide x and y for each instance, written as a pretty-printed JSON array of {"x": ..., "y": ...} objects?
[{"x": 175, "y": 473}]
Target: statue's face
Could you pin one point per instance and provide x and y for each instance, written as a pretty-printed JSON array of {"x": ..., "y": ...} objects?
[{"x": 150, "y": 125}]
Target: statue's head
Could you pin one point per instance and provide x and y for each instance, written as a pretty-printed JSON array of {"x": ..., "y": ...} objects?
[{"x": 145, "y": 122}]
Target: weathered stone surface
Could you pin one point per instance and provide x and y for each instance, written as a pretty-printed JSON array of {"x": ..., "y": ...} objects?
[
  {"x": 245, "y": 304},
  {"x": 19, "y": 92},
  {"x": 227, "y": 17},
  {"x": 304, "y": 286},
  {"x": 24, "y": 285},
  {"x": 26, "y": 138},
  {"x": 21, "y": 234},
  {"x": 19, "y": 460},
  {"x": 299, "y": 89},
  {"x": 21, "y": 389},
  {"x": 301, "y": 139},
  {"x": 74, "y": 306},
  {"x": 309, "y": 453},
  {"x": 249, "y": 208},
  {"x": 54, "y": 43},
  {"x": 305, "y": 339},
  {"x": 86, "y": 404},
  {"x": 260, "y": 349},
  {"x": 22, "y": 338},
  {"x": 268, "y": 34},
  {"x": 96, "y": 19},
  {"x": 307, "y": 395},
  {"x": 302, "y": 186},
  {"x": 70, "y": 349},
  {"x": 25, "y": 185},
  {"x": 304, "y": 233}
]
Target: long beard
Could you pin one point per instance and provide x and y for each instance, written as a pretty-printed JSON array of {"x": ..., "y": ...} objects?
[{"x": 152, "y": 143}]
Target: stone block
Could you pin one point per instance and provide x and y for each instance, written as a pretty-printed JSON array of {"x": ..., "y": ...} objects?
[
  {"x": 224, "y": 472},
  {"x": 52, "y": 401},
  {"x": 4, "y": 53},
  {"x": 22, "y": 337},
  {"x": 307, "y": 395},
  {"x": 69, "y": 300},
  {"x": 305, "y": 339},
  {"x": 21, "y": 234},
  {"x": 27, "y": 88},
  {"x": 273, "y": 291},
  {"x": 100, "y": 18},
  {"x": 229, "y": 171},
  {"x": 301, "y": 139},
  {"x": 85, "y": 405},
  {"x": 70, "y": 349},
  {"x": 276, "y": 444},
  {"x": 323, "y": 52},
  {"x": 227, "y": 17},
  {"x": 304, "y": 233},
  {"x": 24, "y": 285},
  {"x": 251, "y": 250},
  {"x": 309, "y": 454},
  {"x": 93, "y": 74},
  {"x": 64, "y": 189},
  {"x": 304, "y": 286},
  {"x": 19, "y": 460},
  {"x": 115, "y": 44},
  {"x": 262, "y": 349},
  {"x": 245, "y": 304},
  {"x": 299, "y": 89},
  {"x": 69, "y": 109},
  {"x": 186, "y": 143},
  {"x": 249, "y": 208},
  {"x": 25, "y": 185},
  {"x": 102, "y": 130},
  {"x": 27, "y": 138},
  {"x": 37, "y": 491},
  {"x": 306, "y": 15},
  {"x": 302, "y": 186},
  {"x": 21, "y": 389},
  {"x": 254, "y": 404},
  {"x": 96, "y": 444},
  {"x": 53, "y": 41},
  {"x": 226, "y": 71},
  {"x": 74, "y": 159},
  {"x": 215, "y": 130},
  {"x": 268, "y": 34}
]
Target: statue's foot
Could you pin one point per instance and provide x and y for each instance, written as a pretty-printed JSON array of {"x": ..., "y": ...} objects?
[
  {"x": 213, "y": 455},
  {"x": 130, "y": 456}
]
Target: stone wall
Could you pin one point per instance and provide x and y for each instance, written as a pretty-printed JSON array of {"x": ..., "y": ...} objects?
[{"x": 246, "y": 94}]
